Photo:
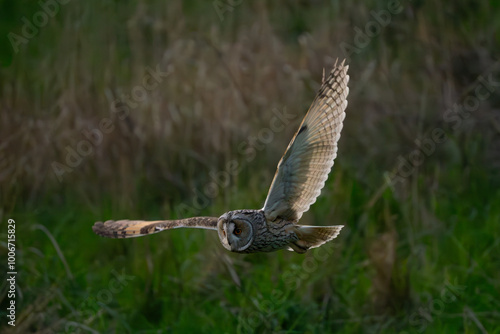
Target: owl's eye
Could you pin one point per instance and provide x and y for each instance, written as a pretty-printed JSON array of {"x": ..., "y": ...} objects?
[{"x": 237, "y": 231}]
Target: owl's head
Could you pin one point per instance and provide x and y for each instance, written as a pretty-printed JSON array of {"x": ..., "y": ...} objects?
[{"x": 236, "y": 231}]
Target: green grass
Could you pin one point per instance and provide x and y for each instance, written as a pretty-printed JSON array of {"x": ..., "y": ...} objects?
[
  {"x": 415, "y": 256},
  {"x": 438, "y": 277}
]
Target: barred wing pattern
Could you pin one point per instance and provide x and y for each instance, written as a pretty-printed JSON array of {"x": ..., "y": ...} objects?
[
  {"x": 137, "y": 228},
  {"x": 304, "y": 168}
]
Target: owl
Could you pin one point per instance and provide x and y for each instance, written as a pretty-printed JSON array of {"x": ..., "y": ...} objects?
[{"x": 300, "y": 176}]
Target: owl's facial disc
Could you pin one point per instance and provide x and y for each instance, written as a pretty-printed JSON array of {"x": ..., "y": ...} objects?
[{"x": 235, "y": 232}]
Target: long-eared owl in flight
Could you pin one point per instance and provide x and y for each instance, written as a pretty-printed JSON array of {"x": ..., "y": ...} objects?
[{"x": 300, "y": 176}]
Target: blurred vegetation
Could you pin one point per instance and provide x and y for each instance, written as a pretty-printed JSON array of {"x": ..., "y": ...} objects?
[{"x": 420, "y": 255}]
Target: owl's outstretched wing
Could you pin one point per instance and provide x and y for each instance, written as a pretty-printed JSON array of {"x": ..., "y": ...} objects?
[
  {"x": 138, "y": 228},
  {"x": 304, "y": 168}
]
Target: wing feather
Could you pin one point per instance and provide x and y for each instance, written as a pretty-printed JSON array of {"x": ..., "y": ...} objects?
[
  {"x": 138, "y": 228},
  {"x": 304, "y": 168}
]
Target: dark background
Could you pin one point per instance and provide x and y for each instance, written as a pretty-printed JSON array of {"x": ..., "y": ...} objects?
[{"x": 88, "y": 133}]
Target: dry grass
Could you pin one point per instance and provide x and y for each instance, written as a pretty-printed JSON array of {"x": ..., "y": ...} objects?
[{"x": 226, "y": 79}]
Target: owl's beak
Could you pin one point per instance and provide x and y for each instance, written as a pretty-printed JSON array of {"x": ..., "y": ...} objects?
[{"x": 233, "y": 247}]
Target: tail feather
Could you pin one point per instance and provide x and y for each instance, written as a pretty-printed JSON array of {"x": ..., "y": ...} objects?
[{"x": 314, "y": 236}]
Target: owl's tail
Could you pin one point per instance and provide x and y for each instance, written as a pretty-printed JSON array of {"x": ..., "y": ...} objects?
[{"x": 313, "y": 236}]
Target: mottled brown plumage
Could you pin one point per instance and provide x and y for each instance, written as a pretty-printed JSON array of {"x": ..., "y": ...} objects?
[
  {"x": 137, "y": 228},
  {"x": 300, "y": 176},
  {"x": 304, "y": 168}
]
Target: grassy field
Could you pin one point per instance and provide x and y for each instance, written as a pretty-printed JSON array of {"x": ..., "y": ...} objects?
[{"x": 134, "y": 109}]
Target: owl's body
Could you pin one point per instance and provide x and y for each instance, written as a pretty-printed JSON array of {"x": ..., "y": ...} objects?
[
  {"x": 268, "y": 237},
  {"x": 301, "y": 174}
]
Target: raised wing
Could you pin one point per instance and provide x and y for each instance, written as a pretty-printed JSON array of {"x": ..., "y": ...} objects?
[
  {"x": 304, "y": 168},
  {"x": 138, "y": 228}
]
